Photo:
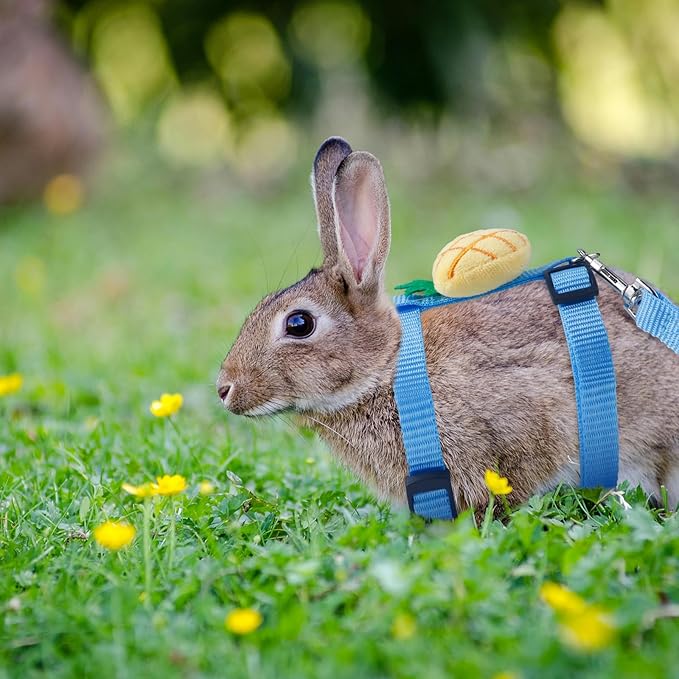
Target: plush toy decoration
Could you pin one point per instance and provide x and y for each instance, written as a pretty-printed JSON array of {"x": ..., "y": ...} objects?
[{"x": 480, "y": 261}]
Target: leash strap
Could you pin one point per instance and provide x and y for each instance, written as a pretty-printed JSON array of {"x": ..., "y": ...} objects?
[
  {"x": 574, "y": 290},
  {"x": 659, "y": 317},
  {"x": 651, "y": 310}
]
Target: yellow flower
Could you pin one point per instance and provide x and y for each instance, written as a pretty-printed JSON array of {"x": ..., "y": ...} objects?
[
  {"x": 168, "y": 404},
  {"x": 562, "y": 599},
  {"x": 145, "y": 490},
  {"x": 506, "y": 675},
  {"x": 497, "y": 485},
  {"x": 10, "y": 384},
  {"x": 206, "y": 488},
  {"x": 243, "y": 620},
  {"x": 583, "y": 626},
  {"x": 170, "y": 485},
  {"x": 63, "y": 194},
  {"x": 590, "y": 630},
  {"x": 114, "y": 535},
  {"x": 403, "y": 627}
]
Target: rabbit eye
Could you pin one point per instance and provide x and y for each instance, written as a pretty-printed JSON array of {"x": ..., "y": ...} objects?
[{"x": 300, "y": 324}]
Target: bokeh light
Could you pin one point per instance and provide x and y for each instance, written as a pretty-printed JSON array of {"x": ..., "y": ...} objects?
[
  {"x": 245, "y": 51},
  {"x": 63, "y": 194},
  {"x": 131, "y": 58},
  {"x": 603, "y": 81},
  {"x": 267, "y": 147},
  {"x": 331, "y": 34},
  {"x": 195, "y": 128},
  {"x": 30, "y": 275}
]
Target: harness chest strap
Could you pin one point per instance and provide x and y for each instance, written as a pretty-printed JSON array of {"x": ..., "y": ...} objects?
[{"x": 573, "y": 289}]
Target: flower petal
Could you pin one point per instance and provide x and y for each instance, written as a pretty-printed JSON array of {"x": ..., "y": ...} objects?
[
  {"x": 114, "y": 535},
  {"x": 243, "y": 620},
  {"x": 171, "y": 485}
]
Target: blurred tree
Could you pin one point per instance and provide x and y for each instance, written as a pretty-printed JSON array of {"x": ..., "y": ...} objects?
[
  {"x": 418, "y": 53},
  {"x": 609, "y": 69},
  {"x": 430, "y": 51}
]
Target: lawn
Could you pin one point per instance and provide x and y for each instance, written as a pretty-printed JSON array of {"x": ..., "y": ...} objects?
[{"x": 141, "y": 292}]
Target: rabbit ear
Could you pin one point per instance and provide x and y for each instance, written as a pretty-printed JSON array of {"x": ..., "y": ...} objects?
[
  {"x": 331, "y": 153},
  {"x": 362, "y": 213}
]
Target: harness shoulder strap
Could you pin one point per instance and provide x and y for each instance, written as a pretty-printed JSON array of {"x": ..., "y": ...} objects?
[{"x": 574, "y": 290}]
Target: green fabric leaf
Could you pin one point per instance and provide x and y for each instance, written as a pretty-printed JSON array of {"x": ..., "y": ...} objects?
[{"x": 419, "y": 288}]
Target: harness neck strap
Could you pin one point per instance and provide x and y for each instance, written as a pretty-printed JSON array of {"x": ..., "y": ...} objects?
[{"x": 428, "y": 486}]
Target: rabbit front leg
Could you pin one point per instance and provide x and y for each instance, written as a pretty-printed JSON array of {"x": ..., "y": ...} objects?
[{"x": 671, "y": 480}]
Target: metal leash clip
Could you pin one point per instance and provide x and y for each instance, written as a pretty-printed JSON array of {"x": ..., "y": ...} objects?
[{"x": 631, "y": 292}]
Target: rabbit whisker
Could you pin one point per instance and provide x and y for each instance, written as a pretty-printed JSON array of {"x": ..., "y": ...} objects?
[
  {"x": 291, "y": 425},
  {"x": 267, "y": 409},
  {"x": 323, "y": 424}
]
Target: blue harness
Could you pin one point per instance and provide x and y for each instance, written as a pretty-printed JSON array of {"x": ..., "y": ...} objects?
[{"x": 573, "y": 287}]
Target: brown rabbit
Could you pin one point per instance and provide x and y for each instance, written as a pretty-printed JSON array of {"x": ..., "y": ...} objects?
[{"x": 499, "y": 367}]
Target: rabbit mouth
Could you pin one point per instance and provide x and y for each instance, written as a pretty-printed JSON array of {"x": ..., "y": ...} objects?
[{"x": 273, "y": 406}]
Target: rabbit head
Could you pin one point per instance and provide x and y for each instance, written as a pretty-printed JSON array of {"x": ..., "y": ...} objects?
[{"x": 328, "y": 340}]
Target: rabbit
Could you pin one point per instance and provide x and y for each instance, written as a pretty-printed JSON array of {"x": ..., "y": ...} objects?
[{"x": 326, "y": 348}]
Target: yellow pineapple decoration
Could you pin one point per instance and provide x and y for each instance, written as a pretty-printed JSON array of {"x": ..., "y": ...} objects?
[{"x": 479, "y": 261}]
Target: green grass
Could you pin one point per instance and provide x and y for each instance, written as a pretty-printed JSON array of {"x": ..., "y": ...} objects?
[{"x": 143, "y": 292}]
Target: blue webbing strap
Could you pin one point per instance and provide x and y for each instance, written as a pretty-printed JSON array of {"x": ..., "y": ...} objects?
[
  {"x": 407, "y": 301},
  {"x": 574, "y": 289},
  {"x": 659, "y": 317},
  {"x": 418, "y": 424}
]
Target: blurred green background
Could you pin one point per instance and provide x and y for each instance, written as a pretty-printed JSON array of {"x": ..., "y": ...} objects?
[
  {"x": 154, "y": 155},
  {"x": 239, "y": 77},
  {"x": 481, "y": 91}
]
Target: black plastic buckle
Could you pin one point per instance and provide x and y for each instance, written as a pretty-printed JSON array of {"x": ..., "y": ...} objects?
[
  {"x": 435, "y": 479},
  {"x": 574, "y": 296}
]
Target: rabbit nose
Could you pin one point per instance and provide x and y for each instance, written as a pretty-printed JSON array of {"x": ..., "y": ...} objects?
[{"x": 223, "y": 391}]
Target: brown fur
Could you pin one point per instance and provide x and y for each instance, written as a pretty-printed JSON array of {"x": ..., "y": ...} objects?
[{"x": 499, "y": 367}]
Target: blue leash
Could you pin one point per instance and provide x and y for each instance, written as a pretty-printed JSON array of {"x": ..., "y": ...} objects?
[
  {"x": 573, "y": 288},
  {"x": 659, "y": 316},
  {"x": 651, "y": 310}
]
